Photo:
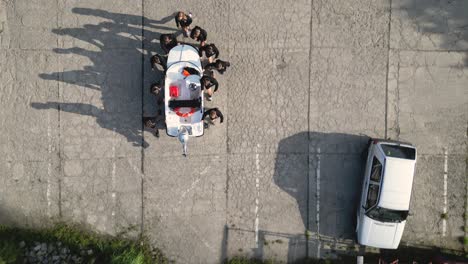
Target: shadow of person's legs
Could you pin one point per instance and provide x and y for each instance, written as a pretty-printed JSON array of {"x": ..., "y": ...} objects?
[{"x": 113, "y": 49}]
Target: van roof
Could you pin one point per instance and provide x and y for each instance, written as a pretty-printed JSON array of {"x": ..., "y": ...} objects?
[{"x": 397, "y": 183}]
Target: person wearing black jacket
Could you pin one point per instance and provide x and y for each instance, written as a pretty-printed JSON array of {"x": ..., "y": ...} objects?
[
  {"x": 199, "y": 34},
  {"x": 213, "y": 114},
  {"x": 158, "y": 59},
  {"x": 167, "y": 41},
  {"x": 210, "y": 51},
  {"x": 206, "y": 83},
  {"x": 151, "y": 123},
  {"x": 218, "y": 65},
  {"x": 183, "y": 21}
]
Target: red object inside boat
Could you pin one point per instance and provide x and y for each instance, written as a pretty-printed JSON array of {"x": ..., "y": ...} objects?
[{"x": 173, "y": 91}]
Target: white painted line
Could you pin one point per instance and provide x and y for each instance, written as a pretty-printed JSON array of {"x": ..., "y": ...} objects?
[
  {"x": 135, "y": 168},
  {"x": 256, "y": 213},
  {"x": 187, "y": 191},
  {"x": 202, "y": 238},
  {"x": 318, "y": 248},
  {"x": 49, "y": 203},
  {"x": 49, "y": 165},
  {"x": 317, "y": 172},
  {"x": 205, "y": 170},
  {"x": 360, "y": 260},
  {"x": 114, "y": 199},
  {"x": 257, "y": 197},
  {"x": 257, "y": 163},
  {"x": 257, "y": 189},
  {"x": 444, "y": 221}
]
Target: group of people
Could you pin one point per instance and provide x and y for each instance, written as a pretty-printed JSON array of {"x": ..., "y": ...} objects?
[{"x": 209, "y": 54}]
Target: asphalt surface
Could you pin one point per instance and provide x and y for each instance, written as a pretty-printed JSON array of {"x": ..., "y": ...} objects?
[{"x": 309, "y": 83}]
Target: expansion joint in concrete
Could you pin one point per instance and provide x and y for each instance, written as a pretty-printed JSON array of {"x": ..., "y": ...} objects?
[
  {"x": 142, "y": 179},
  {"x": 387, "y": 67},
  {"x": 308, "y": 128}
]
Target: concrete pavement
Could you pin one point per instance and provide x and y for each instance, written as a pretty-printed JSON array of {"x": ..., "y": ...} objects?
[{"x": 310, "y": 81}]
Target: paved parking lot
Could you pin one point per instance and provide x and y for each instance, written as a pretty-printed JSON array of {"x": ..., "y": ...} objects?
[{"x": 310, "y": 82}]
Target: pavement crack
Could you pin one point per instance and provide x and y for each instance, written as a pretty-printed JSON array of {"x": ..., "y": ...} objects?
[
  {"x": 388, "y": 67},
  {"x": 142, "y": 215},
  {"x": 308, "y": 126}
]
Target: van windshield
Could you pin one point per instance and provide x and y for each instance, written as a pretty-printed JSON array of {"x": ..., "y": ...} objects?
[
  {"x": 399, "y": 152},
  {"x": 387, "y": 215}
]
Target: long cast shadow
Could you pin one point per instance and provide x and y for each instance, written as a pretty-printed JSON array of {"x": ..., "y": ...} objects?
[
  {"x": 446, "y": 20},
  {"x": 333, "y": 182},
  {"x": 114, "y": 49}
]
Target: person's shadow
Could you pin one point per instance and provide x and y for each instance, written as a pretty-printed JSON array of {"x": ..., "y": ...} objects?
[
  {"x": 328, "y": 176},
  {"x": 115, "y": 49}
]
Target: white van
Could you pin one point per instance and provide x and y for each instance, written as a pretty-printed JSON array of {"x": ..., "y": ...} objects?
[{"x": 386, "y": 193}]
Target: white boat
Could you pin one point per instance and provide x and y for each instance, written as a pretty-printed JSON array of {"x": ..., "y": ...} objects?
[{"x": 183, "y": 97}]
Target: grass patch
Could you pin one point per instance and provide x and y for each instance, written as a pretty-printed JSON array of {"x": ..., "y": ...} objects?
[
  {"x": 9, "y": 252},
  {"x": 105, "y": 249}
]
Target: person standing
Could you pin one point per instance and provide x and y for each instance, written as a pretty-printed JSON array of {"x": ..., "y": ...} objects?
[
  {"x": 211, "y": 52},
  {"x": 207, "y": 82},
  {"x": 159, "y": 59},
  {"x": 183, "y": 21},
  {"x": 151, "y": 124},
  {"x": 157, "y": 89},
  {"x": 213, "y": 114},
  {"x": 218, "y": 65},
  {"x": 199, "y": 34},
  {"x": 167, "y": 42}
]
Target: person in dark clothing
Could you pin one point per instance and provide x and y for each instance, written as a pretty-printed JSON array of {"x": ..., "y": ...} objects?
[
  {"x": 208, "y": 72},
  {"x": 159, "y": 59},
  {"x": 157, "y": 89},
  {"x": 199, "y": 34},
  {"x": 150, "y": 123},
  {"x": 213, "y": 114},
  {"x": 183, "y": 21},
  {"x": 211, "y": 52},
  {"x": 206, "y": 83},
  {"x": 167, "y": 41},
  {"x": 218, "y": 65}
]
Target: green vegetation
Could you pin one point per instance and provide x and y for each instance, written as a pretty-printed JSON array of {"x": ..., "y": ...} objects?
[
  {"x": 99, "y": 248},
  {"x": 8, "y": 252}
]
